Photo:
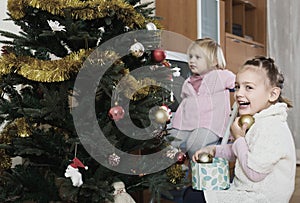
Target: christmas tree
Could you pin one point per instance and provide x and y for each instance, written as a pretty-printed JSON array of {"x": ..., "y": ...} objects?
[{"x": 84, "y": 87}]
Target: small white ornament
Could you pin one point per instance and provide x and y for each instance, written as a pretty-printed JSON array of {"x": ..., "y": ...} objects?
[
  {"x": 32, "y": 51},
  {"x": 154, "y": 67},
  {"x": 120, "y": 194},
  {"x": 55, "y": 26},
  {"x": 75, "y": 176},
  {"x": 114, "y": 159},
  {"x": 53, "y": 57},
  {"x": 151, "y": 26},
  {"x": 66, "y": 46},
  {"x": 98, "y": 41},
  {"x": 137, "y": 49},
  {"x": 18, "y": 88},
  {"x": 73, "y": 172},
  {"x": 101, "y": 29},
  {"x": 176, "y": 71},
  {"x": 172, "y": 152},
  {"x": 172, "y": 96}
]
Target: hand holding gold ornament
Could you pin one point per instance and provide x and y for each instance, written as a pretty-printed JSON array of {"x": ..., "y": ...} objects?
[{"x": 241, "y": 125}]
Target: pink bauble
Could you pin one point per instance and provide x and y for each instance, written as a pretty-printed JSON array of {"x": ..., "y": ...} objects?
[
  {"x": 180, "y": 157},
  {"x": 116, "y": 113}
]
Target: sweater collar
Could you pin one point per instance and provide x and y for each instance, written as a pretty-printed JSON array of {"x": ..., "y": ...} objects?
[{"x": 278, "y": 109}]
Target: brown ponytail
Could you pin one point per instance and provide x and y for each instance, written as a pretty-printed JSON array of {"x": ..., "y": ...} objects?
[{"x": 276, "y": 78}]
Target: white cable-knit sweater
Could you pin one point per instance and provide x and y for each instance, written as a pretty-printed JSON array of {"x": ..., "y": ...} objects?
[{"x": 271, "y": 151}]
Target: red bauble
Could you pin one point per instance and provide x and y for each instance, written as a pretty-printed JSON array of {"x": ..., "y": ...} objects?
[
  {"x": 180, "y": 157},
  {"x": 116, "y": 113},
  {"x": 158, "y": 55}
]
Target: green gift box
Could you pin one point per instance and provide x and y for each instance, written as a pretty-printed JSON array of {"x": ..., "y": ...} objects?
[{"x": 211, "y": 176}]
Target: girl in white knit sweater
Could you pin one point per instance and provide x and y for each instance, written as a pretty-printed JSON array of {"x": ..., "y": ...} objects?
[{"x": 265, "y": 155}]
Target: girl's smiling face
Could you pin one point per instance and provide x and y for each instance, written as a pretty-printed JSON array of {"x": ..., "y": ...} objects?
[{"x": 253, "y": 90}]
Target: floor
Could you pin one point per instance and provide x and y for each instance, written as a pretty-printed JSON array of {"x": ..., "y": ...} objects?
[{"x": 295, "y": 198}]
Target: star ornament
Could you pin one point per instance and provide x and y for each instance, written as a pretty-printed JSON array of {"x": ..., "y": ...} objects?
[
  {"x": 101, "y": 29},
  {"x": 55, "y": 26}
]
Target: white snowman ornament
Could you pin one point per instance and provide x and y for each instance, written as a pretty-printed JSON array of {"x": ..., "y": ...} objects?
[
  {"x": 120, "y": 194},
  {"x": 72, "y": 172}
]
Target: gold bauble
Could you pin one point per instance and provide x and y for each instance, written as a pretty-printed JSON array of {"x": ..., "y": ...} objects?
[
  {"x": 248, "y": 119},
  {"x": 23, "y": 129},
  {"x": 161, "y": 116},
  {"x": 205, "y": 158},
  {"x": 175, "y": 174}
]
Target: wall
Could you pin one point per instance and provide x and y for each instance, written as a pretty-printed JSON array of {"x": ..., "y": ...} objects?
[
  {"x": 284, "y": 47},
  {"x": 6, "y": 25}
]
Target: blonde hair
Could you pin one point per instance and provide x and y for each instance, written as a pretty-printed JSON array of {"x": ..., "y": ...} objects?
[
  {"x": 212, "y": 51},
  {"x": 276, "y": 78}
]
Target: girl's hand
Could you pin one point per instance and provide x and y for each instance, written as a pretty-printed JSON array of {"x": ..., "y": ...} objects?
[
  {"x": 238, "y": 131},
  {"x": 208, "y": 149}
]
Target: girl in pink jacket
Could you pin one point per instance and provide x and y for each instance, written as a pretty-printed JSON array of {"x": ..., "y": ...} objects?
[{"x": 203, "y": 113}]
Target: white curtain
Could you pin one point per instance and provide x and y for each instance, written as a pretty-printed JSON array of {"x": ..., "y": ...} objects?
[{"x": 284, "y": 47}]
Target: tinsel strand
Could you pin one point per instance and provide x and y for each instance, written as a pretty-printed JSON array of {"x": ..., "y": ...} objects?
[{"x": 84, "y": 10}]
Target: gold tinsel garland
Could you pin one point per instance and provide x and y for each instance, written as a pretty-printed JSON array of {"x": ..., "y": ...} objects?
[
  {"x": 135, "y": 89},
  {"x": 5, "y": 161},
  {"x": 85, "y": 10},
  {"x": 18, "y": 127},
  {"x": 61, "y": 70},
  {"x": 175, "y": 174},
  {"x": 43, "y": 70}
]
